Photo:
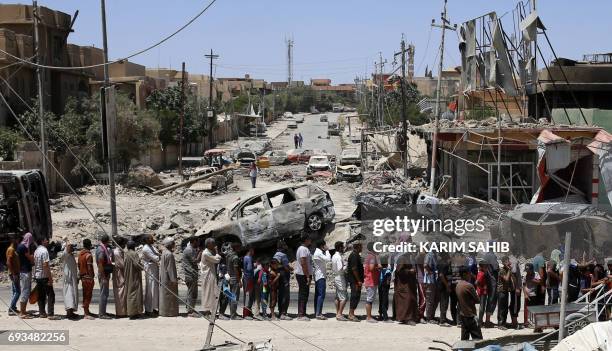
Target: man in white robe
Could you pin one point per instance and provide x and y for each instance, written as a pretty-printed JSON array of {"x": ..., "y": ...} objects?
[
  {"x": 150, "y": 262},
  {"x": 208, "y": 274},
  {"x": 71, "y": 281},
  {"x": 168, "y": 280}
]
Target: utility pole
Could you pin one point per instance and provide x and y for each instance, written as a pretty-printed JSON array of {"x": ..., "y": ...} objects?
[
  {"x": 564, "y": 284},
  {"x": 535, "y": 66},
  {"x": 109, "y": 139},
  {"x": 181, "y": 121},
  {"x": 210, "y": 114},
  {"x": 404, "y": 117},
  {"x": 39, "y": 74},
  {"x": 444, "y": 25},
  {"x": 381, "y": 89},
  {"x": 289, "y": 62}
]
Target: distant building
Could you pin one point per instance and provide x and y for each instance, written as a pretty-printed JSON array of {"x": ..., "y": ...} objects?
[
  {"x": 16, "y": 38},
  {"x": 588, "y": 81},
  {"x": 323, "y": 87},
  {"x": 130, "y": 78}
]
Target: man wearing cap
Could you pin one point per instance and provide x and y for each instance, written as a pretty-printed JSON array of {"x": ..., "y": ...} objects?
[
  {"x": 104, "y": 259},
  {"x": 168, "y": 303}
]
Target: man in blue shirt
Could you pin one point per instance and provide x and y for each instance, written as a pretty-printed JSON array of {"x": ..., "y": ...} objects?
[{"x": 248, "y": 282}]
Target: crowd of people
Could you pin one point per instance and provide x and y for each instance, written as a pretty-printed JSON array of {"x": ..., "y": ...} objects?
[{"x": 258, "y": 287}]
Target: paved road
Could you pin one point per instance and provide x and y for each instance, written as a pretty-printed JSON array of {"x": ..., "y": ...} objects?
[{"x": 314, "y": 133}]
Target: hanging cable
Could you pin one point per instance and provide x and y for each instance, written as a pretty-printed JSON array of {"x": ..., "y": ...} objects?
[{"x": 119, "y": 60}]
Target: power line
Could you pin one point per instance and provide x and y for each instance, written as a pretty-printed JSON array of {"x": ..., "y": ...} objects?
[
  {"x": 29, "y": 135},
  {"x": 119, "y": 60}
]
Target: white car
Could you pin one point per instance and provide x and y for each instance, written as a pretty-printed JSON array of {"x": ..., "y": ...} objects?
[
  {"x": 288, "y": 115},
  {"x": 318, "y": 163},
  {"x": 292, "y": 124},
  {"x": 299, "y": 118}
]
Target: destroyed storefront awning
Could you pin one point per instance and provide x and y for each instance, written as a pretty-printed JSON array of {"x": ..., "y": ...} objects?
[{"x": 602, "y": 147}]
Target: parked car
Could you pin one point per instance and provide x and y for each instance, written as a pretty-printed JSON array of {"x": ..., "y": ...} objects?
[
  {"x": 349, "y": 173},
  {"x": 263, "y": 219},
  {"x": 323, "y": 118},
  {"x": 299, "y": 119},
  {"x": 292, "y": 124},
  {"x": 333, "y": 128},
  {"x": 275, "y": 157},
  {"x": 350, "y": 156},
  {"x": 318, "y": 163}
]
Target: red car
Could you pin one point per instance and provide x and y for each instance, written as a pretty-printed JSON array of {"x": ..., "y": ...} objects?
[{"x": 303, "y": 155}]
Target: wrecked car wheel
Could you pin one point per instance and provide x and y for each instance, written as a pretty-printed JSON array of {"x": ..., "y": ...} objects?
[{"x": 314, "y": 222}]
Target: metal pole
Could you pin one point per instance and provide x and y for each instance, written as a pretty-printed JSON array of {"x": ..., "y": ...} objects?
[
  {"x": 432, "y": 180},
  {"x": 181, "y": 121},
  {"x": 499, "y": 141},
  {"x": 564, "y": 283},
  {"x": 404, "y": 117},
  {"x": 210, "y": 99},
  {"x": 535, "y": 66},
  {"x": 110, "y": 158},
  {"x": 39, "y": 73}
]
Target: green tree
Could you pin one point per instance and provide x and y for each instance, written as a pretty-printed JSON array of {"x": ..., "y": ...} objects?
[
  {"x": 166, "y": 106},
  {"x": 9, "y": 138}
]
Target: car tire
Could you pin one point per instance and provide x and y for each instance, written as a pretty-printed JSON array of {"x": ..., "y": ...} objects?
[{"x": 314, "y": 222}]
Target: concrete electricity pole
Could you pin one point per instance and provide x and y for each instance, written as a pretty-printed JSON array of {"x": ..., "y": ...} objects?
[
  {"x": 181, "y": 121},
  {"x": 39, "y": 74},
  {"x": 444, "y": 25},
  {"x": 404, "y": 117},
  {"x": 210, "y": 114},
  {"x": 108, "y": 140}
]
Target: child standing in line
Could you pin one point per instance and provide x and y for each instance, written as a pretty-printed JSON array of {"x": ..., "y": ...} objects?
[
  {"x": 263, "y": 287},
  {"x": 274, "y": 285}
]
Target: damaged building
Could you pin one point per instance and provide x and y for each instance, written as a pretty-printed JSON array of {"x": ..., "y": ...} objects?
[{"x": 537, "y": 162}]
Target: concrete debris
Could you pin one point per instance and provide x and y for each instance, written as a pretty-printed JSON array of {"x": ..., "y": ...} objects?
[
  {"x": 190, "y": 182},
  {"x": 143, "y": 176}
]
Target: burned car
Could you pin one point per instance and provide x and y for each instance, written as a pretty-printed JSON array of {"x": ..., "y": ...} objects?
[
  {"x": 317, "y": 164},
  {"x": 245, "y": 157},
  {"x": 350, "y": 173},
  {"x": 350, "y": 156},
  {"x": 265, "y": 218},
  {"x": 24, "y": 204}
]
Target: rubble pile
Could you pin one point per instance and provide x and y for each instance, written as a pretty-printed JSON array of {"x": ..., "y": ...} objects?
[
  {"x": 140, "y": 176},
  {"x": 506, "y": 122}
]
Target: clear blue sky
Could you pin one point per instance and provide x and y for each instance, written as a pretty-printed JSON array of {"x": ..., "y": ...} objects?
[{"x": 338, "y": 39}]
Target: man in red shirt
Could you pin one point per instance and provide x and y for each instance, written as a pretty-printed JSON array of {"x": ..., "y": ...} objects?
[
  {"x": 371, "y": 269},
  {"x": 481, "y": 288}
]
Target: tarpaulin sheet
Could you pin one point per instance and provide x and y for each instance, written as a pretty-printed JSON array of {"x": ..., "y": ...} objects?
[
  {"x": 530, "y": 25},
  {"x": 602, "y": 147},
  {"x": 504, "y": 71}
]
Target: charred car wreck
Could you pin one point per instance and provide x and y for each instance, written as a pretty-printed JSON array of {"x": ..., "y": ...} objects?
[{"x": 265, "y": 218}]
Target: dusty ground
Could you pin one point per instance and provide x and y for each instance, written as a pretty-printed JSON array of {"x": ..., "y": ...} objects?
[{"x": 182, "y": 333}]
